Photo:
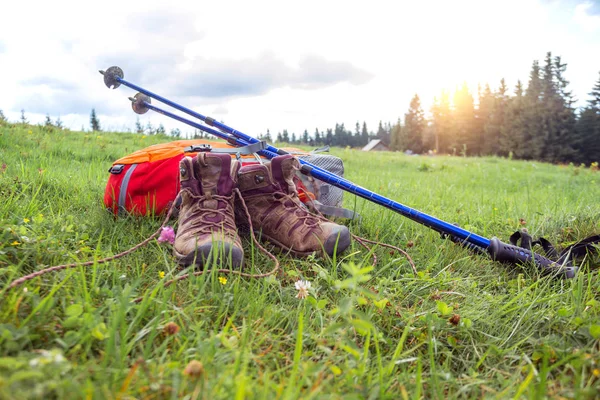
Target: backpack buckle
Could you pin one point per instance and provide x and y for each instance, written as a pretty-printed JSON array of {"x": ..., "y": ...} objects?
[
  {"x": 116, "y": 169},
  {"x": 198, "y": 148}
]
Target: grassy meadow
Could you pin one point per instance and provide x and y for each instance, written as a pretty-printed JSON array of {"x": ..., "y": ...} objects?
[{"x": 465, "y": 327}]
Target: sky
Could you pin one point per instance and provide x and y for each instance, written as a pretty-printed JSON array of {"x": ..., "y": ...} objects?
[{"x": 259, "y": 65}]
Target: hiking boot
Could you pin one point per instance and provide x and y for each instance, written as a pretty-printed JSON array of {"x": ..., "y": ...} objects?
[
  {"x": 276, "y": 212},
  {"x": 206, "y": 217}
]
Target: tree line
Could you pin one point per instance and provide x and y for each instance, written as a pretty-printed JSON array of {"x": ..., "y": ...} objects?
[{"x": 537, "y": 122}]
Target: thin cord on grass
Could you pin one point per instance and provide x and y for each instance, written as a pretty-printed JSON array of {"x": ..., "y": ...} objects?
[
  {"x": 20, "y": 281},
  {"x": 362, "y": 240}
]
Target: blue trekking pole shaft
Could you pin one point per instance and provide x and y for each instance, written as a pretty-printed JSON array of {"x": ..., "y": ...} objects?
[
  {"x": 141, "y": 104},
  {"x": 498, "y": 250}
]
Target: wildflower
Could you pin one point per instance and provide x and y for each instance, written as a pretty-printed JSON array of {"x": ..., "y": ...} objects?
[
  {"x": 25, "y": 290},
  {"x": 167, "y": 234},
  {"x": 596, "y": 372},
  {"x": 26, "y": 220},
  {"x": 30, "y": 132},
  {"x": 3, "y": 167},
  {"x": 194, "y": 369},
  {"x": 302, "y": 287},
  {"x": 161, "y": 274},
  {"x": 171, "y": 328},
  {"x": 223, "y": 280},
  {"x": 15, "y": 243},
  {"x": 123, "y": 277},
  {"x": 47, "y": 357}
]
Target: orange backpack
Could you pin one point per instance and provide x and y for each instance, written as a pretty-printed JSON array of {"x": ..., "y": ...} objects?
[{"x": 147, "y": 181}]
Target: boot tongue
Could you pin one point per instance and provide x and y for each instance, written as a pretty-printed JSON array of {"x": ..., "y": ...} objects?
[
  {"x": 215, "y": 173},
  {"x": 283, "y": 169}
]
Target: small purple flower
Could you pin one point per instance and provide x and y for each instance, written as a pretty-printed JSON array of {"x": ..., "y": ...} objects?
[{"x": 167, "y": 234}]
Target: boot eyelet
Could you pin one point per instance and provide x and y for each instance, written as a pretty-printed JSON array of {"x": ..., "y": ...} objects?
[
  {"x": 183, "y": 172},
  {"x": 258, "y": 179}
]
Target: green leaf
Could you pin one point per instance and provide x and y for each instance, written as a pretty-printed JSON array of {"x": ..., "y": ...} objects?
[
  {"x": 100, "y": 331},
  {"x": 595, "y": 331},
  {"x": 321, "y": 304},
  {"x": 562, "y": 312},
  {"x": 362, "y": 327},
  {"x": 381, "y": 303},
  {"x": 336, "y": 370},
  {"x": 292, "y": 272},
  {"x": 467, "y": 323},
  {"x": 74, "y": 310},
  {"x": 443, "y": 308}
]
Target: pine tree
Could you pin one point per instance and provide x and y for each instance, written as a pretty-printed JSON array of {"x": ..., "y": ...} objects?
[
  {"x": 176, "y": 133},
  {"x": 483, "y": 115},
  {"x": 279, "y": 137},
  {"x": 513, "y": 129},
  {"x": 466, "y": 137},
  {"x": 318, "y": 139},
  {"x": 305, "y": 138},
  {"x": 58, "y": 123},
  {"x": 441, "y": 123},
  {"x": 531, "y": 143},
  {"x": 587, "y": 129},
  {"x": 94, "y": 122},
  {"x": 2, "y": 117},
  {"x": 414, "y": 127},
  {"x": 268, "y": 137},
  {"x": 48, "y": 123},
  {"x": 149, "y": 128},
  {"x": 23, "y": 118},
  {"x": 160, "y": 130},
  {"x": 560, "y": 116},
  {"x": 364, "y": 135},
  {"x": 329, "y": 137},
  {"x": 138, "y": 126},
  {"x": 493, "y": 125},
  {"x": 396, "y": 140},
  {"x": 293, "y": 139},
  {"x": 286, "y": 136}
]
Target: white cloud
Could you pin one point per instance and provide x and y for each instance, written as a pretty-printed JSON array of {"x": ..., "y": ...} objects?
[{"x": 272, "y": 64}]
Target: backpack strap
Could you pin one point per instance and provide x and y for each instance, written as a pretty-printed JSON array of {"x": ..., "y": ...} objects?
[{"x": 332, "y": 211}]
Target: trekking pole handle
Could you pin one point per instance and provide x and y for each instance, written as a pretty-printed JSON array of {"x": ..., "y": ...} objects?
[{"x": 508, "y": 253}]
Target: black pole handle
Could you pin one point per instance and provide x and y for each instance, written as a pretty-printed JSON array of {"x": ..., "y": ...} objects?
[{"x": 507, "y": 253}]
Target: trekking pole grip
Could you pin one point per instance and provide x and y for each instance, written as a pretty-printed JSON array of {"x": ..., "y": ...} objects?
[{"x": 508, "y": 253}]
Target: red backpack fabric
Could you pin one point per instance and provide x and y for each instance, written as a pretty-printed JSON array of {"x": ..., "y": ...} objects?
[{"x": 146, "y": 181}]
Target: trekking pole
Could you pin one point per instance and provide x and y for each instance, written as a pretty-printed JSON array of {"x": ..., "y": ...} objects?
[{"x": 498, "y": 250}]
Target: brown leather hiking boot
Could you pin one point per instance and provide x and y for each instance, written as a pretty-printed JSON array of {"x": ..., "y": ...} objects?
[
  {"x": 275, "y": 210},
  {"x": 206, "y": 217}
]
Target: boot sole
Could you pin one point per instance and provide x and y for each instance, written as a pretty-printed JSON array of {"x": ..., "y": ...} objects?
[{"x": 203, "y": 253}]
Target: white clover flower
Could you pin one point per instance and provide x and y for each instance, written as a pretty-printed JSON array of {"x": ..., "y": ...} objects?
[{"x": 302, "y": 287}]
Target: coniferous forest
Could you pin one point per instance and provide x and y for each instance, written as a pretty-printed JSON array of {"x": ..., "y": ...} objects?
[{"x": 536, "y": 121}]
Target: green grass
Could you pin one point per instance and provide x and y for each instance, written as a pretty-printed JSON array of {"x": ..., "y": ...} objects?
[{"x": 365, "y": 333}]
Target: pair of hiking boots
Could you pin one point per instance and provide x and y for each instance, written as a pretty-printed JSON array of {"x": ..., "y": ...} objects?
[{"x": 210, "y": 212}]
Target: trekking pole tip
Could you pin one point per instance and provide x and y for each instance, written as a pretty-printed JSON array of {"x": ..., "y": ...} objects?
[{"x": 101, "y": 72}]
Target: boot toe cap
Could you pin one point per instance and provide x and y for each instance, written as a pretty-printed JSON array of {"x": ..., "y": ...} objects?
[
  {"x": 227, "y": 253},
  {"x": 337, "y": 241}
]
